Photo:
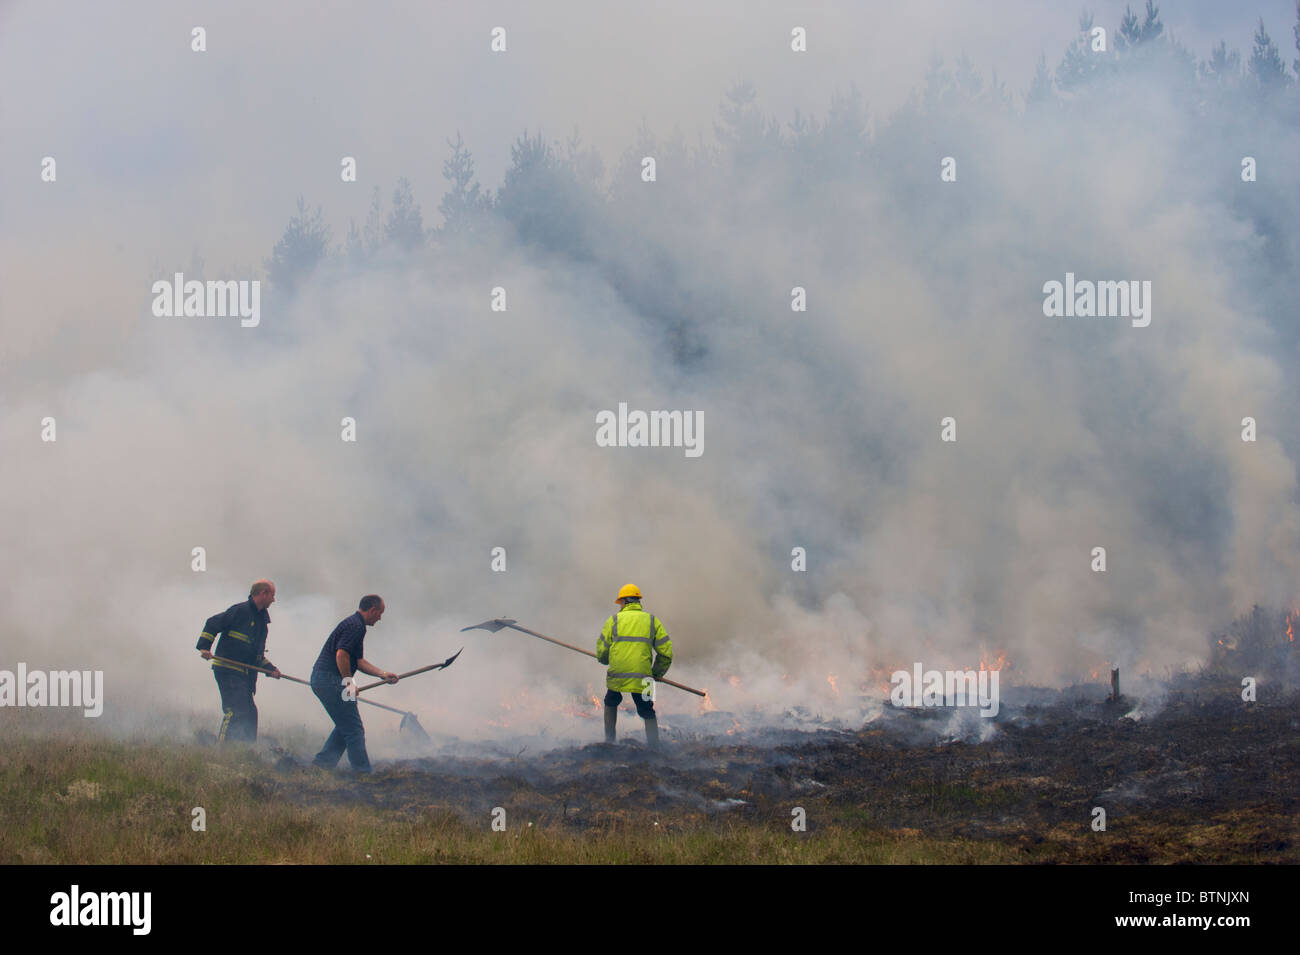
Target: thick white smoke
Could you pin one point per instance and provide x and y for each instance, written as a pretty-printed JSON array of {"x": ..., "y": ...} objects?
[{"x": 475, "y": 428}]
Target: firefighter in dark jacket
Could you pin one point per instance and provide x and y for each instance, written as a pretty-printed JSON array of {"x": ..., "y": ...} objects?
[{"x": 242, "y": 630}]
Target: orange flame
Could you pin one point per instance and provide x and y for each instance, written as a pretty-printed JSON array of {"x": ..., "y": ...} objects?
[
  {"x": 997, "y": 663},
  {"x": 879, "y": 677},
  {"x": 833, "y": 681}
]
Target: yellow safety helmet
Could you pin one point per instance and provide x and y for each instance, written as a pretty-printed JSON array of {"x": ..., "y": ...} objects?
[{"x": 629, "y": 590}]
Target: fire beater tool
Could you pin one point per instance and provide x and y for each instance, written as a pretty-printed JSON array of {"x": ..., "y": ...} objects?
[
  {"x": 500, "y": 623},
  {"x": 409, "y": 721},
  {"x": 402, "y": 676}
]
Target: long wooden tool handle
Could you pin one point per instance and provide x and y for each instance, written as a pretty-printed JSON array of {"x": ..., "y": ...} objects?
[
  {"x": 285, "y": 676},
  {"x": 683, "y": 686},
  {"x": 249, "y": 666},
  {"x": 542, "y": 636},
  {"x": 391, "y": 709},
  {"x": 400, "y": 676}
]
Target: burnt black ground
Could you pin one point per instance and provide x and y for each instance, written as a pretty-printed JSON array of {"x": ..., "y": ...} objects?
[{"x": 1204, "y": 778}]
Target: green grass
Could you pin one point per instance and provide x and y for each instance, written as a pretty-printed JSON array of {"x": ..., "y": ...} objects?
[
  {"x": 80, "y": 798},
  {"x": 94, "y": 801}
]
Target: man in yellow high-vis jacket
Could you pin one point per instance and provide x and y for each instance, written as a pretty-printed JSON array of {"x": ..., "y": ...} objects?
[{"x": 635, "y": 646}]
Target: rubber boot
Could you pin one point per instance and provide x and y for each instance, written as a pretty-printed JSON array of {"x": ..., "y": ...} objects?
[
  {"x": 611, "y": 718},
  {"x": 652, "y": 734}
]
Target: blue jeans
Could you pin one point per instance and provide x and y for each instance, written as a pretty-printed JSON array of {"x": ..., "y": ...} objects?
[{"x": 348, "y": 732}]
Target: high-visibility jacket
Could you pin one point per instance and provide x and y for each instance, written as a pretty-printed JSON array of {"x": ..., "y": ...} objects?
[
  {"x": 636, "y": 647},
  {"x": 243, "y": 630}
]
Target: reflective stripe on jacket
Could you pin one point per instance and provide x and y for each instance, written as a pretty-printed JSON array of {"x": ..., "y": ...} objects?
[
  {"x": 635, "y": 646},
  {"x": 238, "y": 633}
]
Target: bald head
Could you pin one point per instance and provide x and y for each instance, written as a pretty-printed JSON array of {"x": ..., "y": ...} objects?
[{"x": 263, "y": 593}]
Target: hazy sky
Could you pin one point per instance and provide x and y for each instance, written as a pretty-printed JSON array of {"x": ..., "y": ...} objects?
[{"x": 231, "y": 136}]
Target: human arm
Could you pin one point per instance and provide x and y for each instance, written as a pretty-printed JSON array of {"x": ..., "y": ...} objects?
[
  {"x": 343, "y": 660},
  {"x": 663, "y": 648},
  {"x": 603, "y": 642},
  {"x": 365, "y": 666},
  {"x": 211, "y": 627},
  {"x": 273, "y": 670}
]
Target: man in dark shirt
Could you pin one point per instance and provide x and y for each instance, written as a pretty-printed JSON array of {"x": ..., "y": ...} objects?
[
  {"x": 243, "y": 630},
  {"x": 332, "y": 682}
]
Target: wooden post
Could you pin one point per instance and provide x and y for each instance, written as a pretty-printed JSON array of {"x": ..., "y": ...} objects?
[{"x": 1114, "y": 684}]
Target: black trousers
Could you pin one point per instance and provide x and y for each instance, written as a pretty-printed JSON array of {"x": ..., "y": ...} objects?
[
  {"x": 239, "y": 719},
  {"x": 644, "y": 708}
]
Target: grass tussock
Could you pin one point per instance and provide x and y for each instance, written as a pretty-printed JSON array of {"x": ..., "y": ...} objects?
[
  {"x": 98, "y": 802},
  {"x": 82, "y": 799}
]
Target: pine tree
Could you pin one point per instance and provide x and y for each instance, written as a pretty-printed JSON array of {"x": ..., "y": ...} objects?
[
  {"x": 1132, "y": 34},
  {"x": 304, "y": 243},
  {"x": 354, "y": 248},
  {"x": 1080, "y": 64},
  {"x": 1265, "y": 65},
  {"x": 1295, "y": 64},
  {"x": 463, "y": 203},
  {"x": 585, "y": 164},
  {"x": 1151, "y": 26},
  {"x": 541, "y": 199},
  {"x": 405, "y": 225},
  {"x": 1040, "y": 88},
  {"x": 1223, "y": 68},
  {"x": 1128, "y": 28},
  {"x": 939, "y": 92},
  {"x": 844, "y": 133},
  {"x": 745, "y": 134},
  {"x": 527, "y": 158},
  {"x": 800, "y": 128},
  {"x": 373, "y": 233}
]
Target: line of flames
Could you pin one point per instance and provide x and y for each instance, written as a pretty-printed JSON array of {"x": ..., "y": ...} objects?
[{"x": 998, "y": 662}]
